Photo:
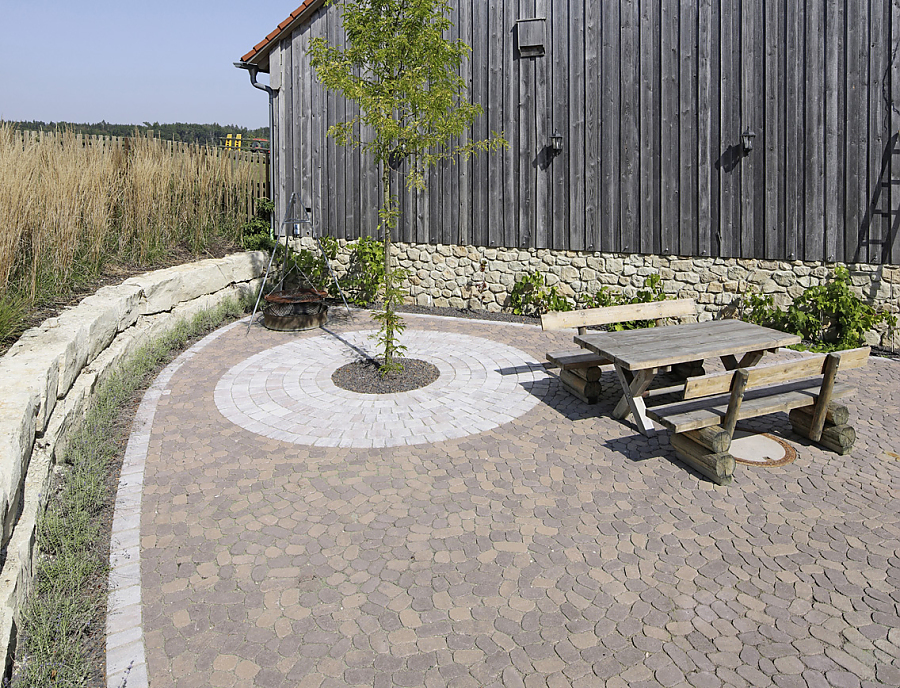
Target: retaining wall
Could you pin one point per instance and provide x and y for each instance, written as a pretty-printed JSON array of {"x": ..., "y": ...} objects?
[
  {"x": 482, "y": 278},
  {"x": 49, "y": 377}
]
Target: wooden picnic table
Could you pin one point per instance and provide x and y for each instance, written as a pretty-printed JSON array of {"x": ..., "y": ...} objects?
[{"x": 637, "y": 355}]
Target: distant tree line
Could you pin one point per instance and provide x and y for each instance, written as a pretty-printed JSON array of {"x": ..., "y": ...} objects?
[{"x": 205, "y": 134}]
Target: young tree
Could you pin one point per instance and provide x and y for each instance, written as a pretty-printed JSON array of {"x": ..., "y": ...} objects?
[{"x": 402, "y": 71}]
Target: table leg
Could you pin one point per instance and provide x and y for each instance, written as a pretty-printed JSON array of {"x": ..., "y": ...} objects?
[
  {"x": 631, "y": 401},
  {"x": 748, "y": 360}
]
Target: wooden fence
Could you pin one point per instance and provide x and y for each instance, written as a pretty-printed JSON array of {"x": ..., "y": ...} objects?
[
  {"x": 257, "y": 181},
  {"x": 651, "y": 98}
]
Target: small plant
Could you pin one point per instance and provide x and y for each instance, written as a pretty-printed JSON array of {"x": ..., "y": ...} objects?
[
  {"x": 311, "y": 265},
  {"x": 256, "y": 235},
  {"x": 531, "y": 296},
  {"x": 651, "y": 292},
  {"x": 365, "y": 277},
  {"x": 830, "y": 317}
]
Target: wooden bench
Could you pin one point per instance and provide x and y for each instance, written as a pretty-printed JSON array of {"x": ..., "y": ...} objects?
[
  {"x": 703, "y": 422},
  {"x": 580, "y": 369}
]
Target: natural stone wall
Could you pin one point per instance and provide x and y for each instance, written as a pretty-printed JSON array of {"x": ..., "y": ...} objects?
[
  {"x": 49, "y": 377},
  {"x": 482, "y": 278}
]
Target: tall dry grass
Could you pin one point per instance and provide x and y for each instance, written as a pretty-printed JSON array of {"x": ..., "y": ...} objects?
[{"x": 70, "y": 206}]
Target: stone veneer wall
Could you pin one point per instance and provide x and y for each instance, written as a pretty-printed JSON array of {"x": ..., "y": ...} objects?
[
  {"x": 50, "y": 375},
  {"x": 453, "y": 276}
]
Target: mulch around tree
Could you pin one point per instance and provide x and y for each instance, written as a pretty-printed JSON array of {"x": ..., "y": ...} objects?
[{"x": 365, "y": 377}]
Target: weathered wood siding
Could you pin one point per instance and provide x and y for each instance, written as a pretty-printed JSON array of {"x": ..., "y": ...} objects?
[{"x": 651, "y": 97}]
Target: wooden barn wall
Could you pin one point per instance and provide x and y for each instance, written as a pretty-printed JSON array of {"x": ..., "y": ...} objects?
[{"x": 651, "y": 97}]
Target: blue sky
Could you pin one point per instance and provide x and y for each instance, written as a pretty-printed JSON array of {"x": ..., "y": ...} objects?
[{"x": 128, "y": 62}]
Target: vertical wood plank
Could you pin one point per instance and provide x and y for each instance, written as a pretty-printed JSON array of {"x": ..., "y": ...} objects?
[
  {"x": 648, "y": 160},
  {"x": 855, "y": 215},
  {"x": 688, "y": 129},
  {"x": 527, "y": 149},
  {"x": 482, "y": 164},
  {"x": 300, "y": 87},
  {"x": 705, "y": 119},
  {"x": 575, "y": 151},
  {"x": 891, "y": 252},
  {"x": 510, "y": 156},
  {"x": 879, "y": 50},
  {"x": 669, "y": 142},
  {"x": 463, "y": 171},
  {"x": 814, "y": 215},
  {"x": 752, "y": 189},
  {"x": 592, "y": 130},
  {"x": 629, "y": 151},
  {"x": 795, "y": 129},
  {"x": 543, "y": 236},
  {"x": 731, "y": 161},
  {"x": 774, "y": 150},
  {"x": 317, "y": 133},
  {"x": 556, "y": 166},
  {"x": 611, "y": 128},
  {"x": 498, "y": 72},
  {"x": 834, "y": 131}
]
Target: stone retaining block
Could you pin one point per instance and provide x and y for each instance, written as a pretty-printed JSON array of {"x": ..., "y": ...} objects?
[{"x": 51, "y": 374}]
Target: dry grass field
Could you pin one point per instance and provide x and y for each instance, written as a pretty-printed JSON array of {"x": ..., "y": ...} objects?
[{"x": 72, "y": 207}]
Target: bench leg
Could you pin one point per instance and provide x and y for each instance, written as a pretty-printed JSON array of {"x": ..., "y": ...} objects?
[
  {"x": 586, "y": 390},
  {"x": 631, "y": 401},
  {"x": 748, "y": 360},
  {"x": 838, "y": 438},
  {"x": 718, "y": 467}
]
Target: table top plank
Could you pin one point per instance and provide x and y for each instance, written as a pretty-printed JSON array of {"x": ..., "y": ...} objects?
[{"x": 662, "y": 346}]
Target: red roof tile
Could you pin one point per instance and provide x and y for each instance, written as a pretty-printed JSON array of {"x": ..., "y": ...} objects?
[{"x": 306, "y": 8}]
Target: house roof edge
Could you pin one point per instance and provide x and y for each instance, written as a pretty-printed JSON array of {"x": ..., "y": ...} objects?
[{"x": 260, "y": 52}]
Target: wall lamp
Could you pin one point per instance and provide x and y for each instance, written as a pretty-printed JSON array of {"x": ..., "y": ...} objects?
[
  {"x": 747, "y": 140},
  {"x": 556, "y": 142}
]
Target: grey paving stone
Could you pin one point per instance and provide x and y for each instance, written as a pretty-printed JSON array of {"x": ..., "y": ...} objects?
[{"x": 513, "y": 537}]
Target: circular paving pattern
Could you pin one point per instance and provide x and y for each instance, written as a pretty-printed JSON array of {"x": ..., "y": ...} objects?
[{"x": 286, "y": 392}]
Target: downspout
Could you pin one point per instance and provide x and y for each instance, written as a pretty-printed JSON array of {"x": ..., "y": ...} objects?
[{"x": 254, "y": 71}]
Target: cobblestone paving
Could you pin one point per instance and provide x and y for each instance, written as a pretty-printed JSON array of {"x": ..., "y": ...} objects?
[{"x": 561, "y": 548}]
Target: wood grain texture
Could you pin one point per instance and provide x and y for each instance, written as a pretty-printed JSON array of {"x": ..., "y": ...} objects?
[
  {"x": 650, "y": 97},
  {"x": 666, "y": 346},
  {"x": 702, "y": 413},
  {"x": 672, "y": 308}
]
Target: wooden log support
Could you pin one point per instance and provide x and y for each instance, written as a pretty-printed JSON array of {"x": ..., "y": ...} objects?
[
  {"x": 738, "y": 385},
  {"x": 713, "y": 438},
  {"x": 832, "y": 363},
  {"x": 590, "y": 374},
  {"x": 587, "y": 391},
  {"x": 717, "y": 466},
  {"x": 835, "y": 414},
  {"x": 838, "y": 438},
  {"x": 689, "y": 369}
]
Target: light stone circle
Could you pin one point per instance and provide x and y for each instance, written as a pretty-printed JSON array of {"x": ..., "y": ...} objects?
[{"x": 286, "y": 393}]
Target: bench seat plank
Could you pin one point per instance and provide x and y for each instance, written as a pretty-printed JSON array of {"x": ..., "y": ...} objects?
[
  {"x": 701, "y": 413},
  {"x": 654, "y": 310},
  {"x": 719, "y": 383},
  {"x": 576, "y": 358}
]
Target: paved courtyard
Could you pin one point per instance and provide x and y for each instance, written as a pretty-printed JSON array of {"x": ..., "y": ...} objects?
[{"x": 489, "y": 530}]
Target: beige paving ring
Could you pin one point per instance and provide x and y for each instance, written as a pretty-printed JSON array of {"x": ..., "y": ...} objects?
[{"x": 286, "y": 392}]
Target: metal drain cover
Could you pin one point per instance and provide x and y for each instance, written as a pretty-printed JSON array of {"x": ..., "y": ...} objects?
[{"x": 760, "y": 449}]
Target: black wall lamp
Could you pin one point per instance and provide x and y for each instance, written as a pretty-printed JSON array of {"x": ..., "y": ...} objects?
[
  {"x": 747, "y": 140},
  {"x": 556, "y": 142}
]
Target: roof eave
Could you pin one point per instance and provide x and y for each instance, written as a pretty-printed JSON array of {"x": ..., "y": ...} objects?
[{"x": 259, "y": 55}]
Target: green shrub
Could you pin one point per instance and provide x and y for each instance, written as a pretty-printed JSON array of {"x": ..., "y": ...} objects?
[
  {"x": 531, "y": 296},
  {"x": 365, "y": 276},
  {"x": 828, "y": 316},
  {"x": 652, "y": 291},
  {"x": 256, "y": 235}
]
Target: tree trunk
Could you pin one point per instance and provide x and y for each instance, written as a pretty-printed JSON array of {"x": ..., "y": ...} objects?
[{"x": 388, "y": 292}]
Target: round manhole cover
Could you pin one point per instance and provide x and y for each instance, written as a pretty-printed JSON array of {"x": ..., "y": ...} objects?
[{"x": 761, "y": 449}]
